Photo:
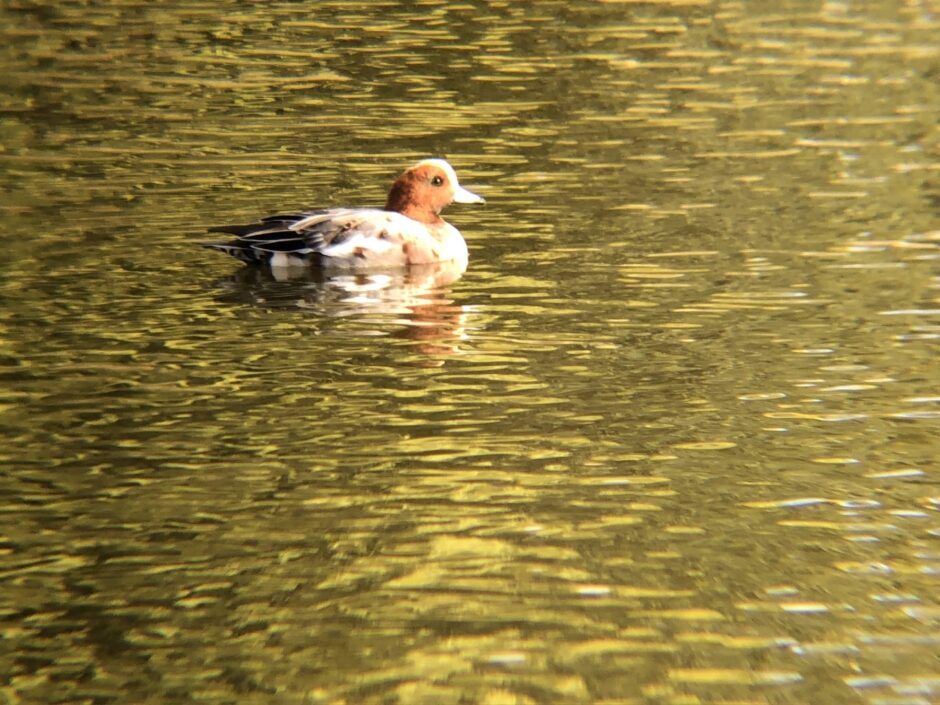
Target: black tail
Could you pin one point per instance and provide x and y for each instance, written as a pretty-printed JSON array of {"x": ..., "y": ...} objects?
[
  {"x": 259, "y": 249},
  {"x": 255, "y": 243},
  {"x": 238, "y": 250}
]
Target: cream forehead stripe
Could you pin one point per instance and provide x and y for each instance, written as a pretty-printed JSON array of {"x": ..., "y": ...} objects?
[{"x": 443, "y": 166}]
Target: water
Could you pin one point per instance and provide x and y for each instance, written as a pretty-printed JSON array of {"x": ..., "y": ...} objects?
[{"x": 671, "y": 439}]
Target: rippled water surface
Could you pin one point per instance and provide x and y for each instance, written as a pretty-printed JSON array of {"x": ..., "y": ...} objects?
[{"x": 672, "y": 438}]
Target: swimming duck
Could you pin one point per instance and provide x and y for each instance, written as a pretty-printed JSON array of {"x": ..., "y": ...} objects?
[{"x": 409, "y": 230}]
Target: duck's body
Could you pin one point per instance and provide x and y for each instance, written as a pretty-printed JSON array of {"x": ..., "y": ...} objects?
[{"x": 408, "y": 231}]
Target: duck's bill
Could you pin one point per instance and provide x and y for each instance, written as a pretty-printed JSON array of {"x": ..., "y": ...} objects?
[{"x": 462, "y": 195}]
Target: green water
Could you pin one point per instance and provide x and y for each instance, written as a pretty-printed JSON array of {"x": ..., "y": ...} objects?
[{"x": 672, "y": 439}]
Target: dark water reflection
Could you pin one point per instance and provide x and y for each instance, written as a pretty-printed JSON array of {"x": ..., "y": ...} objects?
[{"x": 672, "y": 438}]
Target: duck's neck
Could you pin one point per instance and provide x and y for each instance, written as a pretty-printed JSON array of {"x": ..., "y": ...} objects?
[{"x": 400, "y": 201}]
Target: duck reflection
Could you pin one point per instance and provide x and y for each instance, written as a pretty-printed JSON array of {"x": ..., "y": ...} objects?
[{"x": 412, "y": 303}]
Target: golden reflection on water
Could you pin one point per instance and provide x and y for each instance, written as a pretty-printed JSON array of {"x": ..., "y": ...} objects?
[
  {"x": 415, "y": 300},
  {"x": 671, "y": 439}
]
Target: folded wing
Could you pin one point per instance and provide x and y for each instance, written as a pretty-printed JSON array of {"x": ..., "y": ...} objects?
[{"x": 345, "y": 237}]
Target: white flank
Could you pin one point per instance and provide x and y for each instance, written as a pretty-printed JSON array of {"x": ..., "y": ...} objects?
[
  {"x": 349, "y": 246},
  {"x": 284, "y": 259}
]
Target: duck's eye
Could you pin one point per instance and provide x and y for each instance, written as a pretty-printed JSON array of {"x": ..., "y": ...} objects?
[{"x": 437, "y": 181}]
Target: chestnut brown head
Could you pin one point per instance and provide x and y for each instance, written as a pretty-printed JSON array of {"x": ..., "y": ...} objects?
[{"x": 424, "y": 190}]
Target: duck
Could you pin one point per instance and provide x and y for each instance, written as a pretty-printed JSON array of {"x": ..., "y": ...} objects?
[{"x": 409, "y": 230}]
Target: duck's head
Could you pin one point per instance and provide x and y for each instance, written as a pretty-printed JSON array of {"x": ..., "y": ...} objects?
[{"x": 424, "y": 190}]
